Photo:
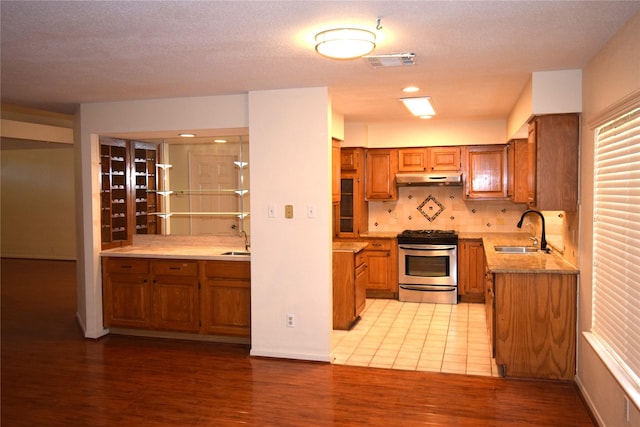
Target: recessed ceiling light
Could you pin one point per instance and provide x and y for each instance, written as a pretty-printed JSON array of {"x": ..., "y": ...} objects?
[
  {"x": 187, "y": 135},
  {"x": 220, "y": 141},
  {"x": 410, "y": 89},
  {"x": 420, "y": 106}
]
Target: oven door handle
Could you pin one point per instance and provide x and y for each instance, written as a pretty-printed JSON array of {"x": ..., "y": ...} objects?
[
  {"x": 426, "y": 248},
  {"x": 428, "y": 288}
]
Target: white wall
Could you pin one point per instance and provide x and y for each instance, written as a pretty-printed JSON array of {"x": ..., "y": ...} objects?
[
  {"x": 546, "y": 92},
  {"x": 611, "y": 76},
  {"x": 425, "y": 133},
  {"x": 291, "y": 265}
]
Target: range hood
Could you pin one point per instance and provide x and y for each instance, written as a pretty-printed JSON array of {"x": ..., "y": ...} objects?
[{"x": 426, "y": 179}]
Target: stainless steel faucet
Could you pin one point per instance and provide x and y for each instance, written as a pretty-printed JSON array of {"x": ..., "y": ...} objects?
[
  {"x": 246, "y": 239},
  {"x": 543, "y": 239}
]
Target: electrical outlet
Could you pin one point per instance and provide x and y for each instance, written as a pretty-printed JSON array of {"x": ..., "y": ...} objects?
[
  {"x": 291, "y": 321},
  {"x": 288, "y": 211}
]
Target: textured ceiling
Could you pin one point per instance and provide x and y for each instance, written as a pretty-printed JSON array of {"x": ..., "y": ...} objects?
[{"x": 472, "y": 57}]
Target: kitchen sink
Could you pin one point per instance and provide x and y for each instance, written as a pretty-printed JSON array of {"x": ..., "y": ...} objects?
[
  {"x": 237, "y": 253},
  {"x": 516, "y": 249}
]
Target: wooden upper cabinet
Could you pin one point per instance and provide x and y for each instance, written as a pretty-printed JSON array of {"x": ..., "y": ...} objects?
[
  {"x": 350, "y": 159},
  {"x": 412, "y": 159},
  {"x": 553, "y": 162},
  {"x": 444, "y": 159},
  {"x": 335, "y": 170},
  {"x": 381, "y": 168},
  {"x": 486, "y": 167},
  {"x": 518, "y": 170},
  {"x": 429, "y": 159}
]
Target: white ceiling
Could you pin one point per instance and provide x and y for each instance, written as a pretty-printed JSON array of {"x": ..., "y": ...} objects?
[{"x": 472, "y": 57}]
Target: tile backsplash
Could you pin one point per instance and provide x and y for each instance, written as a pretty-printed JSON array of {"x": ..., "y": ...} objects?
[{"x": 443, "y": 208}]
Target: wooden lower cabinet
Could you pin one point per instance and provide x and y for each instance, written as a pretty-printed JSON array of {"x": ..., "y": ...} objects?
[
  {"x": 190, "y": 296},
  {"x": 535, "y": 325},
  {"x": 126, "y": 290},
  {"x": 349, "y": 288},
  {"x": 175, "y": 296},
  {"x": 226, "y": 298},
  {"x": 381, "y": 256},
  {"x": 471, "y": 274}
]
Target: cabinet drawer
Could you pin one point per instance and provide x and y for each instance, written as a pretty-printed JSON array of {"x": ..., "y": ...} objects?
[
  {"x": 360, "y": 259},
  {"x": 175, "y": 268},
  {"x": 228, "y": 269},
  {"x": 126, "y": 265},
  {"x": 380, "y": 244}
]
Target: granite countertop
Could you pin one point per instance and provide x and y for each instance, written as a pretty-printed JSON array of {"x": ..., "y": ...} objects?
[
  {"x": 380, "y": 234},
  {"x": 354, "y": 247},
  {"x": 535, "y": 262},
  {"x": 181, "y": 247}
]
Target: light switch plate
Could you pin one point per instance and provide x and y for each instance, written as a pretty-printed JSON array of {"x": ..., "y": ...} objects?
[{"x": 288, "y": 211}]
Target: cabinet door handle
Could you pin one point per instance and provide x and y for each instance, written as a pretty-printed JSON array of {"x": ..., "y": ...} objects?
[
  {"x": 376, "y": 244},
  {"x": 174, "y": 268},
  {"x": 126, "y": 266}
]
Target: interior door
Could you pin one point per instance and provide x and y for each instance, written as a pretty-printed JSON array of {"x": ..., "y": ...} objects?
[{"x": 212, "y": 179}]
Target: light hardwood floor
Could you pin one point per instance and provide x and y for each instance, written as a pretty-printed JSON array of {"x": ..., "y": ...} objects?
[{"x": 51, "y": 376}]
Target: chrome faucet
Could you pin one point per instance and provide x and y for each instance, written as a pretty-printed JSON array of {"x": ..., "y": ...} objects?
[
  {"x": 246, "y": 239},
  {"x": 543, "y": 239}
]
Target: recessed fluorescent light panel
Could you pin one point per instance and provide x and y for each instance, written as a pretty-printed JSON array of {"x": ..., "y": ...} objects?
[{"x": 420, "y": 106}]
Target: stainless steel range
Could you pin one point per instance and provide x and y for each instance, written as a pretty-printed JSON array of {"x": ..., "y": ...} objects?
[{"x": 428, "y": 266}]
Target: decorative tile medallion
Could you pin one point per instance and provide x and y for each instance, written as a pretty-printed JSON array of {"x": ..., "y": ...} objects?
[{"x": 430, "y": 208}]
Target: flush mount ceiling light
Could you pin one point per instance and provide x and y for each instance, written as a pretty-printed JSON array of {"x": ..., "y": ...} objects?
[
  {"x": 187, "y": 135},
  {"x": 345, "y": 43},
  {"x": 420, "y": 107}
]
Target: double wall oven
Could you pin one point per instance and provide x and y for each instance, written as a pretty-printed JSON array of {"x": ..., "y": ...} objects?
[{"x": 428, "y": 266}]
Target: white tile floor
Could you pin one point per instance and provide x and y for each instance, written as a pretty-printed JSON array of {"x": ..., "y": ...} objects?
[{"x": 418, "y": 336}]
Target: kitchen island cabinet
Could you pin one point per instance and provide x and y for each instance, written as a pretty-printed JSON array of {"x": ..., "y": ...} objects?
[{"x": 349, "y": 284}]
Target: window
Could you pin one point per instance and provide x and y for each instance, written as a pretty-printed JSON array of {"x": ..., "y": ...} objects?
[{"x": 616, "y": 244}]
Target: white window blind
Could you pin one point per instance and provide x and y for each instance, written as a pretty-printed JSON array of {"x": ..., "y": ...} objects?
[{"x": 616, "y": 245}]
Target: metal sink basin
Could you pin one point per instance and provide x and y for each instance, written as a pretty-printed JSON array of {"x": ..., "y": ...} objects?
[
  {"x": 237, "y": 253},
  {"x": 516, "y": 249}
]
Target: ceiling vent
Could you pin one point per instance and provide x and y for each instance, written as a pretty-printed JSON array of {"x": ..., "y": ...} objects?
[{"x": 391, "y": 60}]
